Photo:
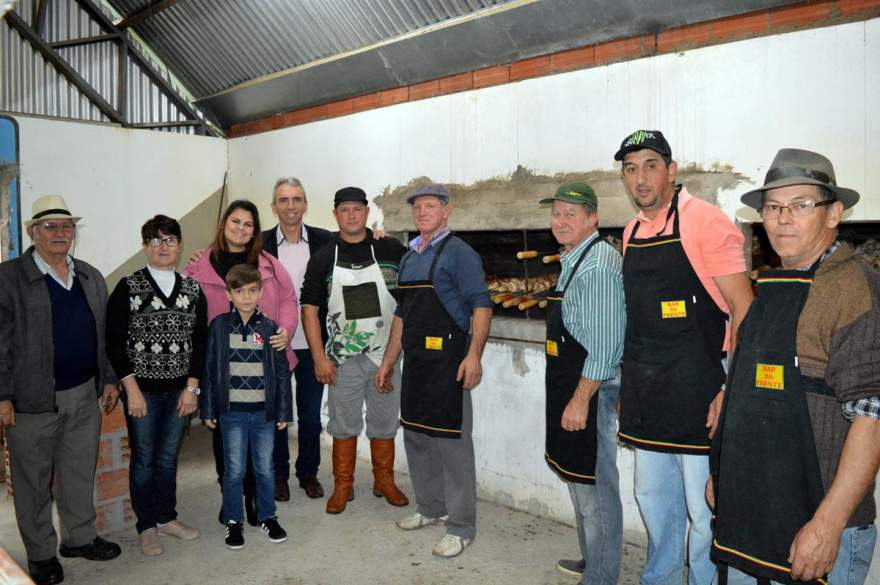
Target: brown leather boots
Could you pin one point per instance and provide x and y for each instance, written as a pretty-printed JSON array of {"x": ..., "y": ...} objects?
[
  {"x": 382, "y": 451},
  {"x": 344, "y": 458}
]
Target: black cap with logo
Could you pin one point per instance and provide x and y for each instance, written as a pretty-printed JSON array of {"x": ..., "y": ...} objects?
[{"x": 641, "y": 139}]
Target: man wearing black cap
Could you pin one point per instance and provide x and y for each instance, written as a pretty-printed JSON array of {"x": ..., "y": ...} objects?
[
  {"x": 687, "y": 290},
  {"x": 355, "y": 281},
  {"x": 798, "y": 444}
]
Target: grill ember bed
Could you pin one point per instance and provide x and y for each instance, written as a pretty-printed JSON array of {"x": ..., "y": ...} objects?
[{"x": 522, "y": 267}]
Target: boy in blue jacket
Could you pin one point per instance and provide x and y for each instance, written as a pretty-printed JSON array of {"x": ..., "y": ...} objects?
[{"x": 246, "y": 388}]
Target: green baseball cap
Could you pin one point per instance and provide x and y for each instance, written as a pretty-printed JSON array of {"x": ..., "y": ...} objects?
[{"x": 576, "y": 193}]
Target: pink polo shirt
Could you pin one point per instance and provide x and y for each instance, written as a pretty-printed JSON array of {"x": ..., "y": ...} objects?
[{"x": 711, "y": 241}]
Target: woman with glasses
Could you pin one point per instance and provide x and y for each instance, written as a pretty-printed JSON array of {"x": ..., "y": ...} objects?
[
  {"x": 238, "y": 241},
  {"x": 156, "y": 338}
]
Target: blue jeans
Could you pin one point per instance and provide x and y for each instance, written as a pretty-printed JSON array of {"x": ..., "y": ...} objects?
[
  {"x": 851, "y": 566},
  {"x": 309, "y": 393},
  {"x": 245, "y": 432},
  {"x": 154, "y": 441},
  {"x": 670, "y": 489},
  {"x": 597, "y": 508}
]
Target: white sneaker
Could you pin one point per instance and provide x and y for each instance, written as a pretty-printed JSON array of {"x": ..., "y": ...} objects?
[
  {"x": 451, "y": 546},
  {"x": 415, "y": 521},
  {"x": 178, "y": 529},
  {"x": 150, "y": 545}
]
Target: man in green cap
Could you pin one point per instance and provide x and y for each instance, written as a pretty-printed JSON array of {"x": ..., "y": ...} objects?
[{"x": 585, "y": 329}]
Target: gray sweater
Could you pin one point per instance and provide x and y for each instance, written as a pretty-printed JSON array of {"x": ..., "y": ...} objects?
[{"x": 26, "y": 347}]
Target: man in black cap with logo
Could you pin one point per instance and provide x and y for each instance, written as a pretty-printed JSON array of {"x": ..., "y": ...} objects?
[
  {"x": 687, "y": 290},
  {"x": 354, "y": 281},
  {"x": 585, "y": 327},
  {"x": 441, "y": 325},
  {"x": 798, "y": 444}
]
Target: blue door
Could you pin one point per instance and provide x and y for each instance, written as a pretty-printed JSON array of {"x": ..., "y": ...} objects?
[{"x": 10, "y": 198}]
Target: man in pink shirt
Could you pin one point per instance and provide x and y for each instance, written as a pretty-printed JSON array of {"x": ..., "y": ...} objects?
[{"x": 687, "y": 290}]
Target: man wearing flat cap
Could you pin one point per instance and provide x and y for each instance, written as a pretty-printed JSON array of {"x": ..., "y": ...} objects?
[
  {"x": 53, "y": 366},
  {"x": 684, "y": 275},
  {"x": 441, "y": 325},
  {"x": 798, "y": 445},
  {"x": 585, "y": 326},
  {"x": 354, "y": 280}
]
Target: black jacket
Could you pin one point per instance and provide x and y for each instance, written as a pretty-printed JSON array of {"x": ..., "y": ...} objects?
[
  {"x": 317, "y": 238},
  {"x": 214, "y": 398}
]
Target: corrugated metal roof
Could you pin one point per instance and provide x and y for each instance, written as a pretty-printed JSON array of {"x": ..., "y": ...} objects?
[
  {"x": 30, "y": 85},
  {"x": 213, "y": 45}
]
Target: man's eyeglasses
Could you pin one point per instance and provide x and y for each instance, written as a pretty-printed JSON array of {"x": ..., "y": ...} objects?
[
  {"x": 170, "y": 241},
  {"x": 797, "y": 208},
  {"x": 51, "y": 226}
]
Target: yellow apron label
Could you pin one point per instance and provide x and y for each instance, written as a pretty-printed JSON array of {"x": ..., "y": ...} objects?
[
  {"x": 433, "y": 343},
  {"x": 673, "y": 309},
  {"x": 552, "y": 348},
  {"x": 770, "y": 376}
]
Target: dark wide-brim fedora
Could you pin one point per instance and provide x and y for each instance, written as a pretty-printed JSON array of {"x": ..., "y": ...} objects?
[{"x": 793, "y": 166}]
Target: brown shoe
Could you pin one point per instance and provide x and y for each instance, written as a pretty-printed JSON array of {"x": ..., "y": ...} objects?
[
  {"x": 344, "y": 457},
  {"x": 382, "y": 451},
  {"x": 282, "y": 491},
  {"x": 312, "y": 487}
]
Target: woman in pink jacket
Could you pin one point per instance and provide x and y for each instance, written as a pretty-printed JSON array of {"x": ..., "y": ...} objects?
[{"x": 237, "y": 242}]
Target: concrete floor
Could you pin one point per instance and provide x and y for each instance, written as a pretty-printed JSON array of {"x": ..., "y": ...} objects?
[{"x": 360, "y": 546}]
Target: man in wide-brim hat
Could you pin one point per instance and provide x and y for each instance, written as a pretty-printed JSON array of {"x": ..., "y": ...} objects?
[
  {"x": 53, "y": 367},
  {"x": 798, "y": 446}
]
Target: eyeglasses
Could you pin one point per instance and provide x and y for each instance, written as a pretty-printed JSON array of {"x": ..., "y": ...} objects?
[
  {"x": 170, "y": 241},
  {"x": 51, "y": 226},
  {"x": 796, "y": 208}
]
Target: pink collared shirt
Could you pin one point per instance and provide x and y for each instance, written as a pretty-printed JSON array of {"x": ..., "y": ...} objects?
[{"x": 711, "y": 241}]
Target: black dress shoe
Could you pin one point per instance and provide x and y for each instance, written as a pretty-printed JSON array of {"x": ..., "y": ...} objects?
[
  {"x": 282, "y": 490},
  {"x": 312, "y": 487},
  {"x": 97, "y": 550},
  {"x": 46, "y": 572}
]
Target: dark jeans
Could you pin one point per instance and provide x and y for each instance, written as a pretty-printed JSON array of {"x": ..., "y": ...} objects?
[
  {"x": 247, "y": 433},
  {"x": 154, "y": 441},
  {"x": 219, "y": 464},
  {"x": 309, "y": 393}
]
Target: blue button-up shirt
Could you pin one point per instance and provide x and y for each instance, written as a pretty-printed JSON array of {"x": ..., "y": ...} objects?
[{"x": 459, "y": 281}]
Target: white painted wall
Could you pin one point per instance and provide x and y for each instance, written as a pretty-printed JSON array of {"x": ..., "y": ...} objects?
[
  {"x": 115, "y": 178},
  {"x": 734, "y": 104}
]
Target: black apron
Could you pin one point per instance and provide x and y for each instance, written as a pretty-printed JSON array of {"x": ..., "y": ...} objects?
[
  {"x": 768, "y": 482},
  {"x": 433, "y": 348},
  {"x": 673, "y": 348},
  {"x": 571, "y": 454}
]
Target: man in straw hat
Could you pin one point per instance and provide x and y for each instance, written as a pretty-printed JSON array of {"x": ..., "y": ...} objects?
[
  {"x": 798, "y": 446},
  {"x": 52, "y": 367}
]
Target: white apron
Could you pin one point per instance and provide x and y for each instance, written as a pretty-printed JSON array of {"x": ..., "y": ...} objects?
[{"x": 359, "y": 312}]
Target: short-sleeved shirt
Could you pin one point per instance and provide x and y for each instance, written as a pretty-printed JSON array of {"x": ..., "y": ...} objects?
[
  {"x": 459, "y": 281},
  {"x": 711, "y": 241}
]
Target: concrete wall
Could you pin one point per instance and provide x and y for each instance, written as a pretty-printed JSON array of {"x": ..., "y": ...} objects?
[
  {"x": 726, "y": 109},
  {"x": 116, "y": 179}
]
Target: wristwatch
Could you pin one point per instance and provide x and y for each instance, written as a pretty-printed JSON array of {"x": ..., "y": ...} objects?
[{"x": 194, "y": 389}]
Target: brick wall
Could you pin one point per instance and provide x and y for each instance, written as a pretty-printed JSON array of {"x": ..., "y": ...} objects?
[
  {"x": 112, "y": 500},
  {"x": 811, "y": 14}
]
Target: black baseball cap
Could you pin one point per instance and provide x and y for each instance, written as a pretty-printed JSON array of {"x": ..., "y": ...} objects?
[
  {"x": 641, "y": 139},
  {"x": 349, "y": 194}
]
